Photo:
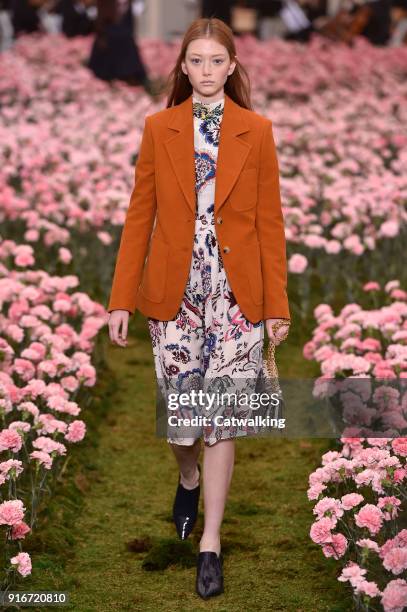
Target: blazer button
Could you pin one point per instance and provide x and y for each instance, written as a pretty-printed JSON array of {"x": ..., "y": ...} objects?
[
  {"x": 226, "y": 249},
  {"x": 219, "y": 219}
]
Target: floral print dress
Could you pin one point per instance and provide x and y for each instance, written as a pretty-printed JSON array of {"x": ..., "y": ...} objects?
[{"x": 209, "y": 343}]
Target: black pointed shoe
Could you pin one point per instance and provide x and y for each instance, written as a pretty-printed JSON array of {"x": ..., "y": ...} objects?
[
  {"x": 209, "y": 575},
  {"x": 185, "y": 508}
]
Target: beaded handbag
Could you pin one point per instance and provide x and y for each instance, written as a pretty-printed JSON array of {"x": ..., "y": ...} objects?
[{"x": 270, "y": 372}]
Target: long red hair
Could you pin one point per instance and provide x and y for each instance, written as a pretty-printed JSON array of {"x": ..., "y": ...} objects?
[{"x": 237, "y": 85}]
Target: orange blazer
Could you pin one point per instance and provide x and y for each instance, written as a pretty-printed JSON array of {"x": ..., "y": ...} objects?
[{"x": 157, "y": 239}]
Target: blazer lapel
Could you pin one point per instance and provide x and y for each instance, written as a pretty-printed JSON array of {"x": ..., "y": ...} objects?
[{"x": 232, "y": 151}]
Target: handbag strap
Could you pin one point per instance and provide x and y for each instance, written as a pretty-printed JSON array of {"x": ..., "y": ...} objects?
[
  {"x": 272, "y": 370},
  {"x": 271, "y": 365}
]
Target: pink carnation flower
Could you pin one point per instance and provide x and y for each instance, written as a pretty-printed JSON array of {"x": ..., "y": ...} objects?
[
  {"x": 315, "y": 490},
  {"x": 368, "y": 588},
  {"x": 394, "y": 596},
  {"x": 11, "y": 512},
  {"x": 395, "y": 560},
  {"x": 337, "y": 547},
  {"x": 23, "y": 562},
  {"x": 19, "y": 530},
  {"x": 10, "y": 440},
  {"x": 43, "y": 458},
  {"x": 352, "y": 572},
  {"x": 328, "y": 506},
  {"x": 371, "y": 286},
  {"x": 11, "y": 467},
  {"x": 297, "y": 263},
  {"x": 399, "y": 475},
  {"x": 400, "y": 539},
  {"x": 320, "y": 531},
  {"x": 370, "y": 516},
  {"x": 389, "y": 506},
  {"x": 367, "y": 543},
  {"x": 350, "y": 500},
  {"x": 76, "y": 431},
  {"x": 48, "y": 445},
  {"x": 399, "y": 446}
]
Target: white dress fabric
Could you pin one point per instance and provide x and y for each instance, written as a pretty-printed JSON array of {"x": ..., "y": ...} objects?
[{"x": 209, "y": 342}]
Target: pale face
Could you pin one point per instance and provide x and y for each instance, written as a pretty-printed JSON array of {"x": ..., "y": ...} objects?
[{"x": 207, "y": 60}]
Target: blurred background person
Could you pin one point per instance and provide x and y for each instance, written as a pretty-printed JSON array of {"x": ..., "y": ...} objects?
[
  {"x": 78, "y": 17},
  {"x": 368, "y": 18},
  {"x": 25, "y": 16},
  {"x": 288, "y": 19},
  {"x": 299, "y": 26},
  {"x": 340, "y": 20},
  {"x": 217, "y": 8},
  {"x": 114, "y": 53},
  {"x": 377, "y": 21},
  {"x": 6, "y": 28},
  {"x": 398, "y": 23}
]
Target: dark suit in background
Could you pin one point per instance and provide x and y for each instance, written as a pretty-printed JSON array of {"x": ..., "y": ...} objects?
[
  {"x": 75, "y": 20},
  {"x": 217, "y": 8},
  {"x": 114, "y": 53},
  {"x": 24, "y": 17}
]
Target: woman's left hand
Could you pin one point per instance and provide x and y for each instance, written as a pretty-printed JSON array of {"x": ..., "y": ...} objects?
[{"x": 280, "y": 334}]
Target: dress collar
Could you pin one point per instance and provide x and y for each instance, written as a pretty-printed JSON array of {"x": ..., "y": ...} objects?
[{"x": 208, "y": 105}]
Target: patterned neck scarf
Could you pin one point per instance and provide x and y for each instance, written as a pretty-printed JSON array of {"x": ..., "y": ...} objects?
[{"x": 207, "y": 111}]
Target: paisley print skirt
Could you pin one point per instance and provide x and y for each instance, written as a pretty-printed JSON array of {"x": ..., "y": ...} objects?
[{"x": 209, "y": 345}]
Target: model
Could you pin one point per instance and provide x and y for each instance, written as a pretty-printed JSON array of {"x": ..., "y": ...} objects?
[{"x": 206, "y": 211}]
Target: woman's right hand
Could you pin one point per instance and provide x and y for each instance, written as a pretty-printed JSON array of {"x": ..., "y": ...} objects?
[{"x": 118, "y": 325}]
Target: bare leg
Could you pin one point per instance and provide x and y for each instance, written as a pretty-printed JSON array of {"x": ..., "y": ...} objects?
[
  {"x": 187, "y": 458},
  {"x": 217, "y": 475}
]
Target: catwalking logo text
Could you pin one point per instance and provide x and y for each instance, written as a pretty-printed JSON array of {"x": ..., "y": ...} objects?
[{"x": 203, "y": 421}]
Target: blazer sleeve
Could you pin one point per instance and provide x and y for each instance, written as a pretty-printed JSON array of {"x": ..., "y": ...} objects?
[
  {"x": 270, "y": 229},
  {"x": 137, "y": 229}
]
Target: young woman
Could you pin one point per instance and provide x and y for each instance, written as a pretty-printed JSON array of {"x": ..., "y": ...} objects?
[{"x": 216, "y": 265}]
